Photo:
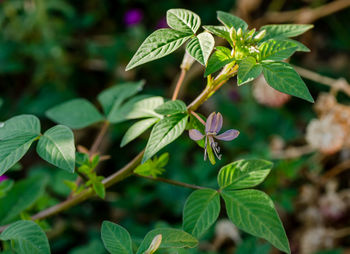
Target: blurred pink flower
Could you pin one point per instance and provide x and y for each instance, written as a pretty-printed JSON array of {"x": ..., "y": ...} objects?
[
  {"x": 162, "y": 23},
  {"x": 133, "y": 17},
  {"x": 3, "y": 178}
]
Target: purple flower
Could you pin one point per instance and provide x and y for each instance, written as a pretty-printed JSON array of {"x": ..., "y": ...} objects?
[
  {"x": 212, "y": 128},
  {"x": 133, "y": 17},
  {"x": 3, "y": 178}
]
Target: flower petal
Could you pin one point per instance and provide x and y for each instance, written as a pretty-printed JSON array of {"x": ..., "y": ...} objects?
[
  {"x": 218, "y": 124},
  {"x": 210, "y": 123},
  {"x": 195, "y": 134},
  {"x": 228, "y": 135}
]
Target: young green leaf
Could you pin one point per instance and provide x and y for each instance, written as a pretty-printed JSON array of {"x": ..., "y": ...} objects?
[
  {"x": 171, "y": 238},
  {"x": 220, "y": 31},
  {"x": 76, "y": 114},
  {"x": 248, "y": 70},
  {"x": 277, "y": 50},
  {"x": 137, "y": 129},
  {"x": 19, "y": 126},
  {"x": 160, "y": 43},
  {"x": 163, "y": 133},
  {"x": 138, "y": 107},
  {"x": 284, "y": 30},
  {"x": 243, "y": 174},
  {"x": 99, "y": 189},
  {"x": 201, "y": 210},
  {"x": 12, "y": 150},
  {"x": 217, "y": 61},
  {"x": 183, "y": 20},
  {"x": 27, "y": 238},
  {"x": 22, "y": 195},
  {"x": 171, "y": 108},
  {"x": 115, "y": 238},
  {"x": 253, "y": 212},
  {"x": 285, "y": 79},
  {"x": 200, "y": 47},
  {"x": 230, "y": 20},
  {"x": 112, "y": 98},
  {"x": 56, "y": 146}
]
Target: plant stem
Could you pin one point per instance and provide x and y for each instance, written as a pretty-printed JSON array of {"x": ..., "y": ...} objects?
[
  {"x": 99, "y": 138},
  {"x": 179, "y": 83},
  {"x": 198, "y": 117},
  {"x": 172, "y": 182}
]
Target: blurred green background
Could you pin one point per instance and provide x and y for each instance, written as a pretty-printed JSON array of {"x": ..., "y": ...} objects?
[{"x": 55, "y": 50}]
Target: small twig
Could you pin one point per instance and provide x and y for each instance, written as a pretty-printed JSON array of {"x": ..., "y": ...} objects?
[
  {"x": 172, "y": 182},
  {"x": 336, "y": 84},
  {"x": 178, "y": 84},
  {"x": 198, "y": 117},
  {"x": 336, "y": 170},
  {"x": 305, "y": 15},
  {"x": 97, "y": 142}
]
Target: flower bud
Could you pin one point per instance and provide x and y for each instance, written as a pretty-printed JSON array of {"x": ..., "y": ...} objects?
[
  {"x": 157, "y": 240},
  {"x": 260, "y": 35},
  {"x": 250, "y": 34},
  {"x": 239, "y": 32},
  {"x": 233, "y": 33}
]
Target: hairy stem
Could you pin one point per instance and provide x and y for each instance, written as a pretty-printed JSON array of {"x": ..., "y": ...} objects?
[
  {"x": 179, "y": 83},
  {"x": 172, "y": 182}
]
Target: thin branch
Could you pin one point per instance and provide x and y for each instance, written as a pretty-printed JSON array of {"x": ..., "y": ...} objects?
[
  {"x": 336, "y": 170},
  {"x": 305, "y": 15},
  {"x": 178, "y": 84},
  {"x": 99, "y": 138},
  {"x": 198, "y": 117},
  {"x": 336, "y": 84},
  {"x": 172, "y": 182}
]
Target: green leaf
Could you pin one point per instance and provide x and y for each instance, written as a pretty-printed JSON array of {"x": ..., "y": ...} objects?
[
  {"x": 253, "y": 212},
  {"x": 243, "y": 174},
  {"x": 76, "y": 114},
  {"x": 138, "y": 107},
  {"x": 22, "y": 195},
  {"x": 116, "y": 239},
  {"x": 217, "y": 61},
  {"x": 183, "y": 20},
  {"x": 12, "y": 150},
  {"x": 22, "y": 125},
  {"x": 171, "y": 238},
  {"x": 248, "y": 70},
  {"x": 137, "y": 129},
  {"x": 27, "y": 238},
  {"x": 285, "y": 79},
  {"x": 112, "y": 98},
  {"x": 284, "y": 30},
  {"x": 99, "y": 189},
  {"x": 230, "y": 20},
  {"x": 201, "y": 210},
  {"x": 160, "y": 43},
  {"x": 5, "y": 186},
  {"x": 277, "y": 50},
  {"x": 163, "y": 133},
  {"x": 153, "y": 167},
  {"x": 171, "y": 108},
  {"x": 56, "y": 146},
  {"x": 300, "y": 47},
  {"x": 220, "y": 31},
  {"x": 200, "y": 47}
]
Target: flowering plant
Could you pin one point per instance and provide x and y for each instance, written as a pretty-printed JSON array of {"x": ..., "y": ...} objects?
[{"x": 249, "y": 54}]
